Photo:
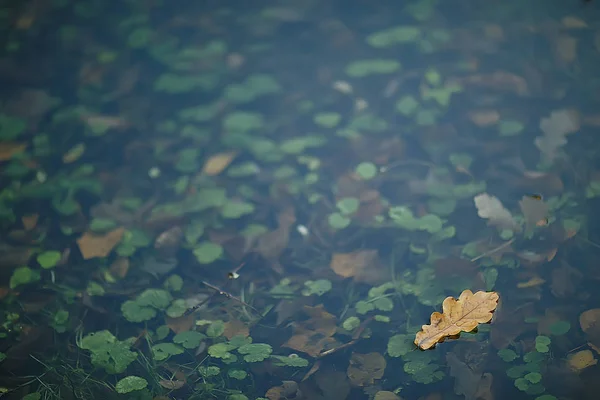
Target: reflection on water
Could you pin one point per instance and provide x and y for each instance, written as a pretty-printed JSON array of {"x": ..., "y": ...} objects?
[{"x": 226, "y": 200}]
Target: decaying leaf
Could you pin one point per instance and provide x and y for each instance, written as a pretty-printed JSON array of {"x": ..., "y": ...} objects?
[
  {"x": 484, "y": 118},
  {"x": 535, "y": 212},
  {"x": 362, "y": 265},
  {"x": 92, "y": 245},
  {"x": 364, "y": 369},
  {"x": 566, "y": 48},
  {"x": 29, "y": 221},
  {"x": 171, "y": 384},
  {"x": 469, "y": 383},
  {"x": 490, "y": 208},
  {"x": 581, "y": 360},
  {"x": 556, "y": 127},
  {"x": 313, "y": 335},
  {"x": 235, "y": 327},
  {"x": 272, "y": 244},
  {"x": 458, "y": 315},
  {"x": 9, "y": 149},
  {"x": 218, "y": 162},
  {"x": 386, "y": 395},
  {"x": 590, "y": 324},
  {"x": 287, "y": 390}
]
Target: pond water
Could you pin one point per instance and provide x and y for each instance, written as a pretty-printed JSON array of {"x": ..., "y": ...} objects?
[{"x": 300, "y": 200}]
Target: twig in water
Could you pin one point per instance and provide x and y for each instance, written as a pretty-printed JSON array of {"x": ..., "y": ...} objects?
[{"x": 494, "y": 250}]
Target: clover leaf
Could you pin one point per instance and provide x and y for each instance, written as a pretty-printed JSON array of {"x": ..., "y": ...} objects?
[
  {"x": 162, "y": 351},
  {"x": 189, "y": 339},
  {"x": 293, "y": 360},
  {"x": 400, "y": 345}
]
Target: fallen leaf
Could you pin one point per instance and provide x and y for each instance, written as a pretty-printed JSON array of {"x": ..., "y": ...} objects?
[
  {"x": 386, "y": 395},
  {"x": 313, "y": 335},
  {"x": 272, "y": 244},
  {"x": 29, "y": 221},
  {"x": 333, "y": 384},
  {"x": 467, "y": 382},
  {"x": 119, "y": 267},
  {"x": 97, "y": 246},
  {"x": 581, "y": 360},
  {"x": 534, "y": 210},
  {"x": 287, "y": 390},
  {"x": 218, "y": 162},
  {"x": 566, "y": 48},
  {"x": 458, "y": 315},
  {"x": 590, "y": 324},
  {"x": 235, "y": 327},
  {"x": 171, "y": 385},
  {"x": 9, "y": 149},
  {"x": 181, "y": 324},
  {"x": 364, "y": 369},
  {"x": 571, "y": 22},
  {"x": 483, "y": 118},
  {"x": 362, "y": 265},
  {"x": 532, "y": 282},
  {"x": 490, "y": 208}
]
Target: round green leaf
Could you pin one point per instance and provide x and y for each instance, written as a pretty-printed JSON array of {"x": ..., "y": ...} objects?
[
  {"x": 162, "y": 351},
  {"x": 507, "y": 355},
  {"x": 23, "y": 276},
  {"x": 362, "y": 68},
  {"x": 237, "y": 374},
  {"x": 560, "y": 328},
  {"x": 348, "y": 205},
  {"x": 351, "y": 323},
  {"x": 236, "y": 209},
  {"x": 366, "y": 170},
  {"x": 130, "y": 384},
  {"x": 255, "y": 352},
  {"x": 338, "y": 221},
  {"x": 327, "y": 119},
  {"x": 49, "y": 259},
  {"x": 318, "y": 287},
  {"x": 189, "y": 339},
  {"x": 400, "y": 345},
  {"x": 208, "y": 252}
]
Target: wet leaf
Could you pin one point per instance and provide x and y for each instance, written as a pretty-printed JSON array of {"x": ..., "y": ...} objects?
[
  {"x": 162, "y": 351},
  {"x": 318, "y": 287},
  {"x": 313, "y": 335},
  {"x": 130, "y": 384},
  {"x": 23, "y": 276},
  {"x": 534, "y": 210},
  {"x": 362, "y": 265},
  {"x": 9, "y": 149},
  {"x": 364, "y": 369},
  {"x": 338, "y": 221},
  {"x": 327, "y": 119},
  {"x": 366, "y": 170},
  {"x": 207, "y": 252},
  {"x": 458, "y": 315},
  {"x": 581, "y": 360},
  {"x": 469, "y": 383},
  {"x": 218, "y": 162},
  {"x": 49, "y": 259},
  {"x": 255, "y": 352},
  {"x": 400, "y": 345},
  {"x": 74, "y": 153},
  {"x": 189, "y": 339},
  {"x": 98, "y": 246},
  {"x": 483, "y": 118},
  {"x": 490, "y": 208},
  {"x": 287, "y": 390},
  {"x": 108, "y": 352},
  {"x": 362, "y": 68},
  {"x": 566, "y": 48}
]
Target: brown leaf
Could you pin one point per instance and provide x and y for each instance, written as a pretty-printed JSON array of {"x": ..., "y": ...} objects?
[
  {"x": 119, "y": 267},
  {"x": 534, "y": 210},
  {"x": 181, "y": 324},
  {"x": 97, "y": 246},
  {"x": 458, "y": 315},
  {"x": 9, "y": 149},
  {"x": 362, "y": 265},
  {"x": 287, "y": 390},
  {"x": 364, "y": 369},
  {"x": 491, "y": 208},
  {"x": 218, "y": 162},
  {"x": 29, "y": 221},
  {"x": 385, "y": 395},
  {"x": 314, "y": 334},
  {"x": 235, "y": 327},
  {"x": 171, "y": 385},
  {"x": 484, "y": 118},
  {"x": 566, "y": 48},
  {"x": 581, "y": 360},
  {"x": 571, "y": 22},
  {"x": 272, "y": 244},
  {"x": 469, "y": 383},
  {"x": 590, "y": 324}
]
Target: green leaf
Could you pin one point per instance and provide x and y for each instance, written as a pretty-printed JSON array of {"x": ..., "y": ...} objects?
[
  {"x": 534, "y": 377},
  {"x": 351, "y": 323},
  {"x": 366, "y": 170},
  {"x": 220, "y": 350},
  {"x": 400, "y": 345},
  {"x": 327, "y": 119},
  {"x": 107, "y": 352},
  {"x": 243, "y": 170},
  {"x": 208, "y": 252},
  {"x": 293, "y": 360},
  {"x": 134, "y": 312},
  {"x": 407, "y": 105},
  {"x": 32, "y": 396},
  {"x": 393, "y": 36},
  {"x": 490, "y": 275},
  {"x": 215, "y": 329},
  {"x": 102, "y": 225},
  {"x": 189, "y": 339},
  {"x": 510, "y": 127},
  {"x": 49, "y": 259},
  {"x": 318, "y": 287},
  {"x": 162, "y": 351},
  {"x": 236, "y": 209},
  {"x": 338, "y": 221},
  {"x": 362, "y": 68},
  {"x": 383, "y": 304},
  {"x": 174, "y": 283},
  {"x": 130, "y": 384},
  {"x": 157, "y": 298},
  {"x": 11, "y": 127},
  {"x": 255, "y": 352},
  {"x": 177, "y": 308},
  {"x": 560, "y": 328},
  {"x": 237, "y": 374},
  {"x": 507, "y": 355},
  {"x": 363, "y": 307},
  {"x": 140, "y": 37},
  {"x": 23, "y": 276},
  {"x": 241, "y": 121},
  {"x": 348, "y": 205}
]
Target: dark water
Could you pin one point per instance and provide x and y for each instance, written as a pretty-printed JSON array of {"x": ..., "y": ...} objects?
[{"x": 224, "y": 200}]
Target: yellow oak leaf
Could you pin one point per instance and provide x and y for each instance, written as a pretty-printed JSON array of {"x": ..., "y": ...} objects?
[{"x": 458, "y": 315}]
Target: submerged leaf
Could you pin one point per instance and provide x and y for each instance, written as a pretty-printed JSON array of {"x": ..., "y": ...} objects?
[
  {"x": 458, "y": 315},
  {"x": 490, "y": 208}
]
